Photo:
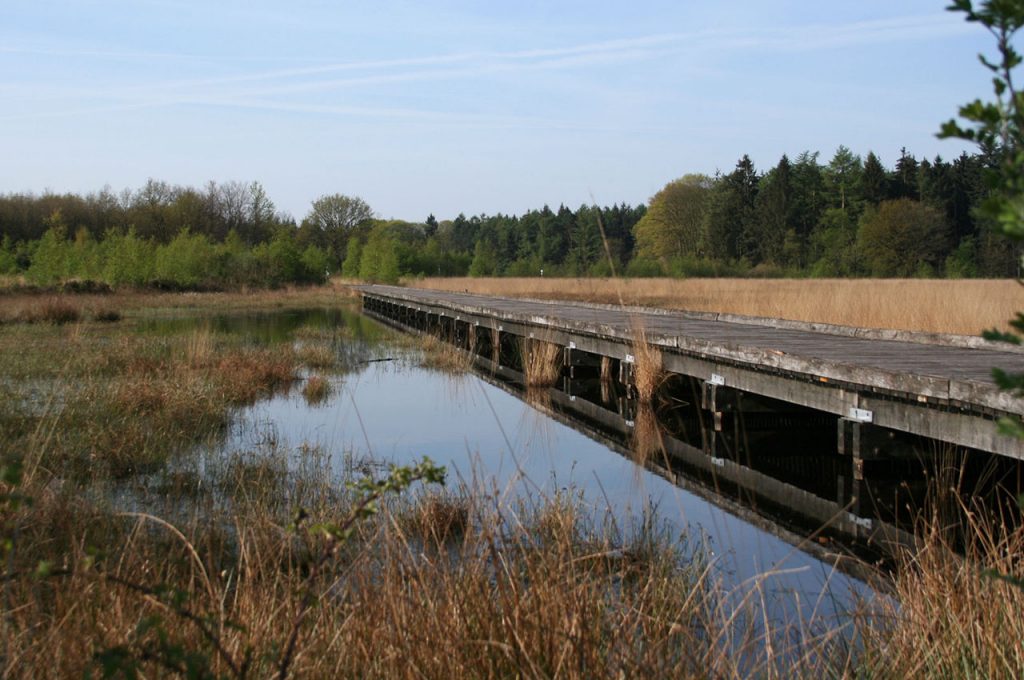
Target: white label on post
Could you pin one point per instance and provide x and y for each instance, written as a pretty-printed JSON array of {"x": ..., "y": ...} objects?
[
  {"x": 863, "y": 522},
  {"x": 861, "y": 415},
  {"x": 572, "y": 345},
  {"x": 629, "y": 359},
  {"x": 717, "y": 379}
]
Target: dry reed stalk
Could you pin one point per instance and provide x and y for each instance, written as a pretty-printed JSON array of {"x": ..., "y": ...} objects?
[
  {"x": 539, "y": 398},
  {"x": 243, "y": 376},
  {"x": 964, "y": 306},
  {"x": 647, "y": 365},
  {"x": 513, "y": 597},
  {"x": 57, "y": 310},
  {"x": 443, "y": 356},
  {"x": 542, "y": 362},
  {"x": 316, "y": 390},
  {"x": 495, "y": 345},
  {"x": 15, "y": 303},
  {"x": 436, "y": 517},
  {"x": 106, "y": 315},
  {"x": 317, "y": 354},
  {"x": 646, "y": 441},
  {"x": 199, "y": 348},
  {"x": 956, "y": 616}
]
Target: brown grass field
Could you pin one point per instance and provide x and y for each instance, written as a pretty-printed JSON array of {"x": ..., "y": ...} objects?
[{"x": 965, "y": 306}]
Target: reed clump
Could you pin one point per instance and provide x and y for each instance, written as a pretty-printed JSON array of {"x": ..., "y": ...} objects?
[
  {"x": 243, "y": 376},
  {"x": 317, "y": 354},
  {"x": 106, "y": 315},
  {"x": 199, "y": 348},
  {"x": 542, "y": 362},
  {"x": 956, "y": 614},
  {"x": 648, "y": 371},
  {"x": 52, "y": 310},
  {"x": 439, "y": 355},
  {"x": 647, "y": 440},
  {"x": 316, "y": 390},
  {"x": 436, "y": 517}
]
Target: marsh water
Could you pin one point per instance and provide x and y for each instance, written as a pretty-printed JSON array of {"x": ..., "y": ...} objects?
[{"x": 386, "y": 406}]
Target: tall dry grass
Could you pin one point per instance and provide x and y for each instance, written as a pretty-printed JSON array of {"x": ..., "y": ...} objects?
[
  {"x": 955, "y": 612},
  {"x": 939, "y": 306},
  {"x": 443, "y": 356},
  {"x": 316, "y": 390},
  {"x": 439, "y": 587},
  {"x": 648, "y": 369},
  {"x": 542, "y": 362}
]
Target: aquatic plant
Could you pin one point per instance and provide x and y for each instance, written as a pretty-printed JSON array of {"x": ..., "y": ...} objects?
[
  {"x": 542, "y": 362},
  {"x": 648, "y": 373},
  {"x": 316, "y": 390}
]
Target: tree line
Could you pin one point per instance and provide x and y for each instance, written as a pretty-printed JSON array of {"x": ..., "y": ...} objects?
[{"x": 847, "y": 217}]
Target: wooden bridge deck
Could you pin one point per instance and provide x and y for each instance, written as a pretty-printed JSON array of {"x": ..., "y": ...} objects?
[{"x": 938, "y": 387}]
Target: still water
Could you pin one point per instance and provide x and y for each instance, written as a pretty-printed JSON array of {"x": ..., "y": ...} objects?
[{"x": 386, "y": 406}]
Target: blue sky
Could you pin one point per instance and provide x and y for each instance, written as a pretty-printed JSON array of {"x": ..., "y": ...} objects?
[{"x": 447, "y": 107}]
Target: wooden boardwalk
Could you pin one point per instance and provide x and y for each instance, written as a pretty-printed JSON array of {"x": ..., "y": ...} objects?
[{"x": 939, "y": 387}]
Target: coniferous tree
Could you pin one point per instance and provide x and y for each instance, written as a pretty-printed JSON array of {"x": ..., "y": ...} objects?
[
  {"x": 809, "y": 194},
  {"x": 874, "y": 180},
  {"x": 774, "y": 213},
  {"x": 904, "y": 183},
  {"x": 842, "y": 177},
  {"x": 732, "y": 210}
]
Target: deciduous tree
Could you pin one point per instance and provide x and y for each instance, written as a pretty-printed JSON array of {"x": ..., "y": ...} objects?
[
  {"x": 673, "y": 225},
  {"x": 903, "y": 238}
]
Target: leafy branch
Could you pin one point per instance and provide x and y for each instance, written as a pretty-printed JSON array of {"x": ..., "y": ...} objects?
[{"x": 997, "y": 127}]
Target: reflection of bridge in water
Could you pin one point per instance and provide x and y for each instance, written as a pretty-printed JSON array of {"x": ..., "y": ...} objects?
[{"x": 803, "y": 430}]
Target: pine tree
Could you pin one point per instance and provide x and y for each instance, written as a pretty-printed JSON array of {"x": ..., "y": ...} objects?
[
  {"x": 774, "y": 210},
  {"x": 874, "y": 180}
]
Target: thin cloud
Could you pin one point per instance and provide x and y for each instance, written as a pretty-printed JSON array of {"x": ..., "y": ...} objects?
[{"x": 257, "y": 88}]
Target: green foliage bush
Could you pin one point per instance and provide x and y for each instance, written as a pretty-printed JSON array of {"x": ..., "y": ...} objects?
[
  {"x": 186, "y": 261},
  {"x": 51, "y": 256},
  {"x": 641, "y": 267},
  {"x": 129, "y": 260},
  {"x": 8, "y": 257},
  {"x": 485, "y": 261}
]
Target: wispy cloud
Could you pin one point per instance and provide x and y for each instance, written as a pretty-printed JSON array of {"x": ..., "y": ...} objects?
[{"x": 269, "y": 87}]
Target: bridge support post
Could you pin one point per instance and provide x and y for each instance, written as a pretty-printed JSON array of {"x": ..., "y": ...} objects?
[
  {"x": 581, "y": 364},
  {"x": 718, "y": 400},
  {"x": 860, "y": 441}
]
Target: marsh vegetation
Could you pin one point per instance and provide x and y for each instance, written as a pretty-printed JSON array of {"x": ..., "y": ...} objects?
[{"x": 189, "y": 492}]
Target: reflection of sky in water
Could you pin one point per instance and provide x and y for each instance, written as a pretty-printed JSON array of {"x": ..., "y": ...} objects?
[{"x": 401, "y": 413}]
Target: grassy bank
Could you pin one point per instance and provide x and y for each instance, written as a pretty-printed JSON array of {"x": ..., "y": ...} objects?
[
  {"x": 939, "y": 306},
  {"x": 49, "y": 307},
  {"x": 268, "y": 562}
]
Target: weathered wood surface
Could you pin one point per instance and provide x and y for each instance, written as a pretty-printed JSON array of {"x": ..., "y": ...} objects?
[{"x": 959, "y": 376}]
